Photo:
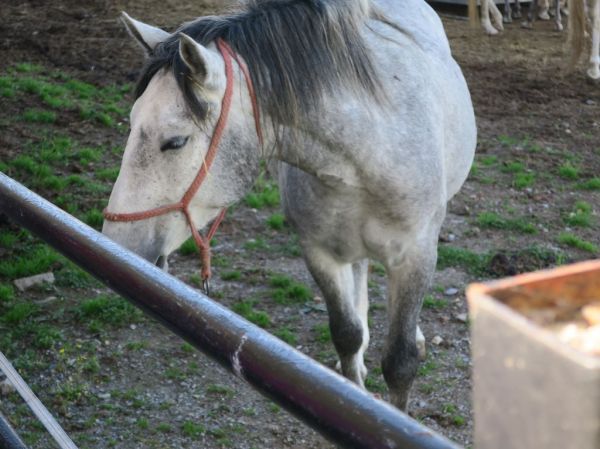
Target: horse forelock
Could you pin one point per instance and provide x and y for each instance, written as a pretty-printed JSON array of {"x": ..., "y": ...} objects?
[{"x": 295, "y": 50}]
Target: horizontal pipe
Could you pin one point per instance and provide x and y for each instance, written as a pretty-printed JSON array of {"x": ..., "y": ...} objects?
[
  {"x": 9, "y": 439},
  {"x": 332, "y": 405}
]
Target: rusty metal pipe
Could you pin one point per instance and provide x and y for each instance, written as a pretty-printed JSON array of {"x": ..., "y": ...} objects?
[
  {"x": 329, "y": 403},
  {"x": 9, "y": 439}
]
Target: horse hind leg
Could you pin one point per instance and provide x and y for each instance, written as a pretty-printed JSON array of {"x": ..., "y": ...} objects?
[
  {"x": 507, "y": 12},
  {"x": 485, "y": 17},
  {"x": 408, "y": 282},
  {"x": 594, "y": 69},
  {"x": 557, "y": 16},
  {"x": 344, "y": 287}
]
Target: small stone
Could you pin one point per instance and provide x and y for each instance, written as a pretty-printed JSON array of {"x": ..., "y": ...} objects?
[
  {"x": 23, "y": 284},
  {"x": 589, "y": 102},
  {"x": 462, "y": 317},
  {"x": 104, "y": 395},
  {"x": 133, "y": 327},
  {"x": 437, "y": 340},
  {"x": 450, "y": 291},
  {"x": 6, "y": 388}
]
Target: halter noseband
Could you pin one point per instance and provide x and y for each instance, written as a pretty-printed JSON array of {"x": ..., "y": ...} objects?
[{"x": 203, "y": 243}]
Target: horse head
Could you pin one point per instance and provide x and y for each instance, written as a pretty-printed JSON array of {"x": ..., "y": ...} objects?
[{"x": 157, "y": 200}]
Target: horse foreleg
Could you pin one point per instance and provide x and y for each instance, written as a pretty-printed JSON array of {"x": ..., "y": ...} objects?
[
  {"x": 531, "y": 14},
  {"x": 594, "y": 69},
  {"x": 507, "y": 12},
  {"x": 557, "y": 17},
  {"x": 517, "y": 13},
  {"x": 344, "y": 287},
  {"x": 408, "y": 282},
  {"x": 485, "y": 17},
  {"x": 543, "y": 12}
]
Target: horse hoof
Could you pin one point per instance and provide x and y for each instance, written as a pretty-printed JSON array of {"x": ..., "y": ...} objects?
[
  {"x": 527, "y": 25},
  {"x": 490, "y": 30},
  {"x": 558, "y": 26},
  {"x": 544, "y": 15},
  {"x": 517, "y": 15},
  {"x": 507, "y": 19},
  {"x": 594, "y": 73}
]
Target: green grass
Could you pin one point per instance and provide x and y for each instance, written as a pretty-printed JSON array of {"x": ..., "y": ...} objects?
[
  {"x": 107, "y": 310},
  {"x": 246, "y": 309},
  {"x": 7, "y": 293},
  {"x": 287, "y": 291},
  {"x": 221, "y": 390},
  {"x": 430, "y": 302},
  {"x": 108, "y": 174},
  {"x": 19, "y": 313},
  {"x": 451, "y": 256},
  {"x": 264, "y": 194},
  {"x": 581, "y": 216},
  {"x": 322, "y": 333},
  {"x": 234, "y": 275},
  {"x": 574, "y": 241},
  {"x": 37, "y": 260},
  {"x": 257, "y": 244},
  {"x": 492, "y": 220},
  {"x": 276, "y": 221},
  {"x": 94, "y": 218},
  {"x": 39, "y": 116},
  {"x": 192, "y": 430},
  {"x": 513, "y": 167},
  {"x": 590, "y": 184},
  {"x": 488, "y": 161},
  {"x": 523, "y": 180},
  {"x": 287, "y": 335},
  {"x": 568, "y": 171},
  {"x": 188, "y": 247}
]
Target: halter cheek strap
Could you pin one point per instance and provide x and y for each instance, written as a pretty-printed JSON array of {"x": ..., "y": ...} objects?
[{"x": 203, "y": 243}]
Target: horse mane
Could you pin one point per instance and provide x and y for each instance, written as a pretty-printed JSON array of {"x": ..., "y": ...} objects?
[{"x": 295, "y": 50}]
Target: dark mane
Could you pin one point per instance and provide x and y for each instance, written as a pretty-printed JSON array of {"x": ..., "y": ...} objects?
[{"x": 295, "y": 50}]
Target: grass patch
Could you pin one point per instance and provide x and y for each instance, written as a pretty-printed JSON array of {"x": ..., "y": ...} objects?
[
  {"x": 234, "y": 275},
  {"x": 568, "y": 171},
  {"x": 451, "y": 256},
  {"x": 7, "y": 293},
  {"x": 288, "y": 291},
  {"x": 523, "y": 180},
  {"x": 590, "y": 184},
  {"x": 513, "y": 167},
  {"x": 581, "y": 216},
  {"x": 430, "y": 302},
  {"x": 264, "y": 194},
  {"x": 287, "y": 335},
  {"x": 246, "y": 309},
  {"x": 574, "y": 241},
  {"x": 38, "y": 260},
  {"x": 492, "y": 220},
  {"x": 192, "y": 430},
  {"x": 188, "y": 247},
  {"x": 107, "y": 310},
  {"x": 322, "y": 333},
  {"x": 276, "y": 221},
  {"x": 39, "y": 116}
]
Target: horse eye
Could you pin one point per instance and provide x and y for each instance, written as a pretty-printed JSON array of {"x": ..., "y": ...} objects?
[{"x": 174, "y": 143}]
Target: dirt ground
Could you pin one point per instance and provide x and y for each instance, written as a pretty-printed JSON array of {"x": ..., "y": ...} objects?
[{"x": 531, "y": 202}]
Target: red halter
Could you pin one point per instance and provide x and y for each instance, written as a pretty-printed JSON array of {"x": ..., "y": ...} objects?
[{"x": 203, "y": 243}]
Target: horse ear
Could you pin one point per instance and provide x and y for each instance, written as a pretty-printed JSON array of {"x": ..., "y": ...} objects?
[
  {"x": 146, "y": 35},
  {"x": 205, "y": 65}
]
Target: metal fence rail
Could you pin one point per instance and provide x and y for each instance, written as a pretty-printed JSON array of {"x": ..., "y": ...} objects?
[
  {"x": 8, "y": 437},
  {"x": 332, "y": 405}
]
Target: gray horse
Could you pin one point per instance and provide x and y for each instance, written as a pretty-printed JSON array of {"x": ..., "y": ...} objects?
[{"x": 370, "y": 117}]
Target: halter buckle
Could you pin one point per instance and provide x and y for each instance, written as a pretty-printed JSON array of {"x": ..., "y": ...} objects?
[{"x": 206, "y": 287}]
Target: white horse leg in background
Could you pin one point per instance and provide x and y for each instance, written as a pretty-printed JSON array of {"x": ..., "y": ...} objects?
[
  {"x": 491, "y": 17},
  {"x": 543, "y": 11},
  {"x": 578, "y": 24},
  {"x": 594, "y": 69}
]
